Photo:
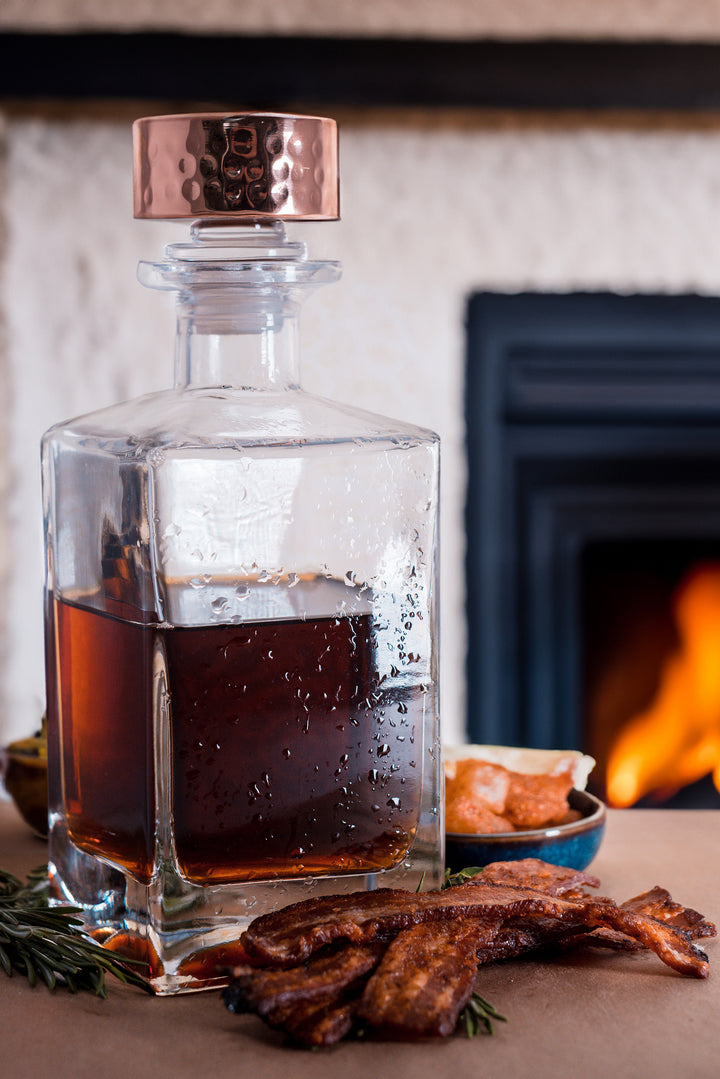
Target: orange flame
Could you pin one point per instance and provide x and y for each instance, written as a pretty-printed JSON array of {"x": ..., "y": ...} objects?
[{"x": 676, "y": 740}]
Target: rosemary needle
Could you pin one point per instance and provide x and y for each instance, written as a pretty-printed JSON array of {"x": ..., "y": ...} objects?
[{"x": 47, "y": 944}]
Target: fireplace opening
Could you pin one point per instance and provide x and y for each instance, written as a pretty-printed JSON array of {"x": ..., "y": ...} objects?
[
  {"x": 650, "y": 686},
  {"x": 593, "y": 535}
]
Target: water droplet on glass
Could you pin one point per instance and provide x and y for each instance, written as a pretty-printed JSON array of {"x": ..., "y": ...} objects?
[
  {"x": 383, "y": 750},
  {"x": 219, "y": 605},
  {"x": 242, "y": 592}
]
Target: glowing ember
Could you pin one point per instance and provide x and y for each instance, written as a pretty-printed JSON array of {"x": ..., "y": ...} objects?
[{"x": 676, "y": 740}]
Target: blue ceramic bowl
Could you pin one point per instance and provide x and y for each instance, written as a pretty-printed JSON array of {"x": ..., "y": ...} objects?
[{"x": 574, "y": 845}]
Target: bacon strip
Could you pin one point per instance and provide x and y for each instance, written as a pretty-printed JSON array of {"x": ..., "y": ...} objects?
[
  {"x": 275, "y": 993},
  {"x": 314, "y": 1003},
  {"x": 425, "y": 979},
  {"x": 289, "y": 936},
  {"x": 556, "y": 880},
  {"x": 656, "y": 903},
  {"x": 670, "y": 945},
  {"x": 326, "y": 1026},
  {"x": 543, "y": 877}
]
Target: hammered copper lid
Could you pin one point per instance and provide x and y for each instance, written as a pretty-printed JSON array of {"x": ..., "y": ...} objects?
[{"x": 252, "y": 165}]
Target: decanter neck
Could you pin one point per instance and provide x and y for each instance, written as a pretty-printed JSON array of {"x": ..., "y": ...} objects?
[
  {"x": 240, "y": 290},
  {"x": 239, "y": 341}
]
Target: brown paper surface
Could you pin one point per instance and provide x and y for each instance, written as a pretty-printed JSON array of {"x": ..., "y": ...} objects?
[{"x": 594, "y": 1015}]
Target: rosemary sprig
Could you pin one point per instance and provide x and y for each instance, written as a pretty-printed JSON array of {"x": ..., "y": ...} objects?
[
  {"x": 47, "y": 943},
  {"x": 462, "y": 875},
  {"x": 478, "y": 1016}
]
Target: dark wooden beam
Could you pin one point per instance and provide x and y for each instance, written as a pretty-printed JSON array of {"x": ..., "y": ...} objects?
[{"x": 283, "y": 71}]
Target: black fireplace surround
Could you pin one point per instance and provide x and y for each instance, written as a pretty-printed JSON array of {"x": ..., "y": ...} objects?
[{"x": 592, "y": 419}]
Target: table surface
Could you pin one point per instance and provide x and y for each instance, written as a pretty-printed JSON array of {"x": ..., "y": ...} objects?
[{"x": 598, "y": 1014}]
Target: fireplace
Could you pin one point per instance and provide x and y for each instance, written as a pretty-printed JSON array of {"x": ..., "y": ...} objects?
[{"x": 593, "y": 528}]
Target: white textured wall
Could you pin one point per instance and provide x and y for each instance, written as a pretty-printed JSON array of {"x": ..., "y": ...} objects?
[
  {"x": 5, "y": 456},
  {"x": 671, "y": 19},
  {"x": 432, "y": 209}
]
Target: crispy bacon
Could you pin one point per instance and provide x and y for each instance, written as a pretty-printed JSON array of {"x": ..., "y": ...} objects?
[
  {"x": 519, "y": 939},
  {"x": 656, "y": 903},
  {"x": 557, "y": 880},
  {"x": 323, "y": 1026},
  {"x": 289, "y": 936},
  {"x": 528, "y": 931},
  {"x": 670, "y": 945},
  {"x": 404, "y": 963},
  {"x": 320, "y": 981},
  {"x": 314, "y": 1003},
  {"x": 543, "y": 877},
  {"x": 425, "y": 979}
]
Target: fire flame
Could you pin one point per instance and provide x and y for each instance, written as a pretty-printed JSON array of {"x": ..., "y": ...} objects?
[{"x": 676, "y": 740}]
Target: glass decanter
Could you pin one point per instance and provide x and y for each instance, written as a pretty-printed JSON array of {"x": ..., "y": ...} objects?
[{"x": 241, "y": 600}]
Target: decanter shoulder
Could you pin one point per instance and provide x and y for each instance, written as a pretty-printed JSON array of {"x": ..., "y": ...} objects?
[{"x": 226, "y": 417}]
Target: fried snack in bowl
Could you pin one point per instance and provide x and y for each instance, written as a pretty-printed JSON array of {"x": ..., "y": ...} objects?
[
  {"x": 525, "y": 761},
  {"x": 503, "y": 803}
]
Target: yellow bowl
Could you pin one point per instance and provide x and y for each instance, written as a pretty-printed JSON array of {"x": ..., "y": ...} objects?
[{"x": 24, "y": 772}]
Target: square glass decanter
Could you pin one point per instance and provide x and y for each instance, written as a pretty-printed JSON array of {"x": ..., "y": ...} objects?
[{"x": 241, "y": 601}]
